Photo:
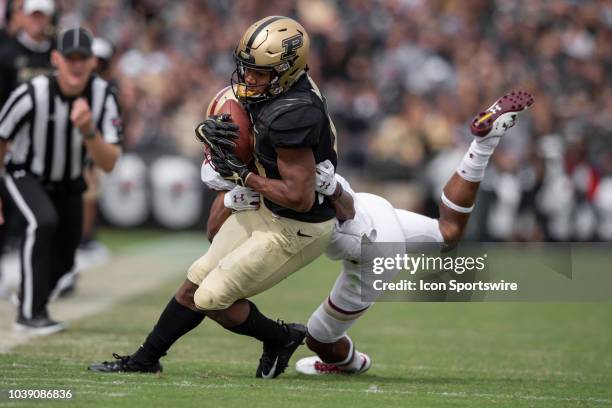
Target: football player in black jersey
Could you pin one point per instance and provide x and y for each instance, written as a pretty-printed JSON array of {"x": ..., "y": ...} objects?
[
  {"x": 28, "y": 53},
  {"x": 254, "y": 250}
]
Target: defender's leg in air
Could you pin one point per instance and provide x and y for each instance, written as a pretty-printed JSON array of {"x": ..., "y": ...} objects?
[{"x": 328, "y": 325}]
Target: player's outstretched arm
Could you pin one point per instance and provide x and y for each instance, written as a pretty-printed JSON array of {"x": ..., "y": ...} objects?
[
  {"x": 296, "y": 188},
  {"x": 328, "y": 185},
  {"x": 226, "y": 202},
  {"x": 343, "y": 204}
]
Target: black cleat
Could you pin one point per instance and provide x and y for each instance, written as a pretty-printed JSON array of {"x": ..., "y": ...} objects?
[
  {"x": 124, "y": 364},
  {"x": 39, "y": 326},
  {"x": 275, "y": 359}
]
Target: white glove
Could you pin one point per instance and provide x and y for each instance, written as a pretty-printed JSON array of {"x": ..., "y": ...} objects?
[
  {"x": 326, "y": 178},
  {"x": 241, "y": 198}
]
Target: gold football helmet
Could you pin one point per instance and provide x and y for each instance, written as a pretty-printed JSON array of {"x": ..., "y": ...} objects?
[{"x": 276, "y": 44}]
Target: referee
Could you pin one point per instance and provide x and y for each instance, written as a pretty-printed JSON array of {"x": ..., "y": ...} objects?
[{"x": 49, "y": 126}]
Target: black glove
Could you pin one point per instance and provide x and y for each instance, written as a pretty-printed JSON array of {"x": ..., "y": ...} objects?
[
  {"x": 230, "y": 167},
  {"x": 217, "y": 132}
]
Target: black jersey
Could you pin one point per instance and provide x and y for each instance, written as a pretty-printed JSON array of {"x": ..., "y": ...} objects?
[
  {"x": 20, "y": 62},
  {"x": 297, "y": 118}
]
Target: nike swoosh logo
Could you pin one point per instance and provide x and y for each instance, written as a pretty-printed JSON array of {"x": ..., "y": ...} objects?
[
  {"x": 299, "y": 233},
  {"x": 271, "y": 372}
]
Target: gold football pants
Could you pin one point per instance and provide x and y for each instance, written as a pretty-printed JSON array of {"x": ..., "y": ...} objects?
[{"x": 253, "y": 251}]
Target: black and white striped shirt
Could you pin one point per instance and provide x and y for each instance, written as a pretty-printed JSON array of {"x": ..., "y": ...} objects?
[{"x": 36, "y": 119}]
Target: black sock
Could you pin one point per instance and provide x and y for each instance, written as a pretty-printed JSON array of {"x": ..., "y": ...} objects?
[
  {"x": 175, "y": 321},
  {"x": 263, "y": 329}
]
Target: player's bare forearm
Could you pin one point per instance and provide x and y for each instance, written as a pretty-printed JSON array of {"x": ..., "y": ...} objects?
[
  {"x": 344, "y": 205},
  {"x": 296, "y": 188},
  {"x": 103, "y": 154},
  {"x": 218, "y": 214},
  {"x": 276, "y": 191}
]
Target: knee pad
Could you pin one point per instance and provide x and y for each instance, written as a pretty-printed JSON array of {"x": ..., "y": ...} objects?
[
  {"x": 199, "y": 270},
  {"x": 206, "y": 299},
  {"x": 328, "y": 325}
]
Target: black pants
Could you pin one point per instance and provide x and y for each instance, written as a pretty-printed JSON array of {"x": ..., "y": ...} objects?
[{"x": 51, "y": 223}]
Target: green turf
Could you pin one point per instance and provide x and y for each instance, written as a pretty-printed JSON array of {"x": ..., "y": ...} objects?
[
  {"x": 119, "y": 240},
  {"x": 424, "y": 354}
]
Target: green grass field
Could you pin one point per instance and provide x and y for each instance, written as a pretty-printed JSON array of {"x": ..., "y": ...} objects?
[{"x": 424, "y": 355}]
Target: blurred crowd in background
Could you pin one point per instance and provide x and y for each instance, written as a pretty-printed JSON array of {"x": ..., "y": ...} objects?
[{"x": 403, "y": 78}]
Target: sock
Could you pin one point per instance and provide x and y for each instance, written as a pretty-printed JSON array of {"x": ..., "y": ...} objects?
[
  {"x": 175, "y": 321},
  {"x": 263, "y": 329},
  {"x": 354, "y": 365},
  {"x": 474, "y": 163}
]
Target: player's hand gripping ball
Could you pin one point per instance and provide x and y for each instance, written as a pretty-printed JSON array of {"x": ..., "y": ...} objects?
[
  {"x": 229, "y": 166},
  {"x": 243, "y": 148},
  {"x": 217, "y": 132}
]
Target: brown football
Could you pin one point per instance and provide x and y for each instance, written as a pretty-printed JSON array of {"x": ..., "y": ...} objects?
[{"x": 225, "y": 102}]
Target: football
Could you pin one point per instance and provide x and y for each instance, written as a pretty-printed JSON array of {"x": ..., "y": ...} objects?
[{"x": 225, "y": 102}]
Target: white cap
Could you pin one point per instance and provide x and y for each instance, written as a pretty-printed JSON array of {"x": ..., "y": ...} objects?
[
  {"x": 44, "y": 6},
  {"x": 102, "y": 48}
]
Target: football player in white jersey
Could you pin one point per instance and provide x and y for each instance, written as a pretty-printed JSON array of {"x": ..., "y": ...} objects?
[
  {"x": 376, "y": 220},
  {"x": 363, "y": 216}
]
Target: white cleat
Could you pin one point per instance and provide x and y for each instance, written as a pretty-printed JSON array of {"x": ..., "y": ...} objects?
[{"x": 314, "y": 366}]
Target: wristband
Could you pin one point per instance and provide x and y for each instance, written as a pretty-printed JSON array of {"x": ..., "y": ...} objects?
[
  {"x": 455, "y": 207},
  {"x": 227, "y": 200}
]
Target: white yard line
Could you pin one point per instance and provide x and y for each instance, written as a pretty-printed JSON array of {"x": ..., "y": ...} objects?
[
  {"x": 372, "y": 389},
  {"x": 497, "y": 371},
  {"x": 128, "y": 274}
]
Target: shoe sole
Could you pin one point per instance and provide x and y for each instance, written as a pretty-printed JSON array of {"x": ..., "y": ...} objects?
[
  {"x": 512, "y": 102},
  {"x": 94, "y": 369},
  {"x": 39, "y": 331},
  {"x": 307, "y": 366}
]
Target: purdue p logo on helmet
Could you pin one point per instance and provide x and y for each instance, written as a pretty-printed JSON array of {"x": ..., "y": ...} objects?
[{"x": 276, "y": 44}]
